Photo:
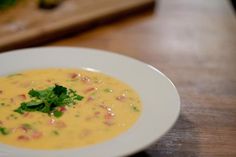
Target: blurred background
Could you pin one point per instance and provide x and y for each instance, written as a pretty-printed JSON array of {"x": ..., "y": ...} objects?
[
  {"x": 25, "y": 23},
  {"x": 193, "y": 42}
]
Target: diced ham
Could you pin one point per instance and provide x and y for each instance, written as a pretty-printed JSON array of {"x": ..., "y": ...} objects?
[
  {"x": 90, "y": 98},
  {"x": 26, "y": 84},
  {"x": 57, "y": 124},
  {"x": 23, "y": 138},
  {"x": 109, "y": 115},
  {"x": 121, "y": 97},
  {"x": 48, "y": 80},
  {"x": 25, "y": 129},
  {"x": 12, "y": 100},
  {"x": 13, "y": 130},
  {"x": 36, "y": 135},
  {"x": 62, "y": 109},
  {"x": 74, "y": 75},
  {"x": 85, "y": 79},
  {"x": 60, "y": 124},
  {"x": 97, "y": 113},
  {"x": 103, "y": 106},
  {"x": 52, "y": 121},
  {"x": 108, "y": 122},
  {"x": 22, "y": 96},
  {"x": 26, "y": 114},
  {"x": 108, "y": 109},
  {"x": 90, "y": 89}
]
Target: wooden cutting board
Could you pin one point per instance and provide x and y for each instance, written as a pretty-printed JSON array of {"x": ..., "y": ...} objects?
[{"x": 25, "y": 24}]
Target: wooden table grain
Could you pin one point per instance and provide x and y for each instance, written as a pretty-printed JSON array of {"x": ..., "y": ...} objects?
[{"x": 194, "y": 43}]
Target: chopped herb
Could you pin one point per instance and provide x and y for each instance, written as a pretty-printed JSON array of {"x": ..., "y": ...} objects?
[
  {"x": 59, "y": 90},
  {"x": 27, "y": 126},
  {"x": 12, "y": 75},
  {"x": 55, "y": 132},
  {"x": 48, "y": 100},
  {"x": 134, "y": 108},
  {"x": 108, "y": 90},
  {"x": 4, "y": 131},
  {"x": 2, "y": 104}
]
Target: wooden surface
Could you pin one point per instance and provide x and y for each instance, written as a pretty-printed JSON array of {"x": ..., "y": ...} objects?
[
  {"x": 194, "y": 43},
  {"x": 25, "y": 24}
]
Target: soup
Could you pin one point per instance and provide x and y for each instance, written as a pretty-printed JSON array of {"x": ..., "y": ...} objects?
[{"x": 64, "y": 108}]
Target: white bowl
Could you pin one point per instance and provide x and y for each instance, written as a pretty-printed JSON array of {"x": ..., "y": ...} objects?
[{"x": 161, "y": 102}]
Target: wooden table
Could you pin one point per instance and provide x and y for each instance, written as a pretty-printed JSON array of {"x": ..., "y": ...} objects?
[{"x": 194, "y": 43}]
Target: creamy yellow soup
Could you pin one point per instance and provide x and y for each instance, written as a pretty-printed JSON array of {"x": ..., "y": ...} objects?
[{"x": 108, "y": 108}]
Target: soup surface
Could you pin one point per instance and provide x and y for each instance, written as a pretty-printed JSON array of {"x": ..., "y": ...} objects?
[{"x": 102, "y": 108}]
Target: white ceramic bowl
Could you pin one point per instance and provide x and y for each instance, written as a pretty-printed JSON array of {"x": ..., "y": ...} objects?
[{"x": 161, "y": 102}]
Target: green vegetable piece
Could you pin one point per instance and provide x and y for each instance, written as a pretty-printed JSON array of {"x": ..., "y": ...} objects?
[
  {"x": 135, "y": 109},
  {"x": 57, "y": 113},
  {"x": 4, "y": 131},
  {"x": 108, "y": 90},
  {"x": 27, "y": 126},
  {"x": 55, "y": 132}
]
